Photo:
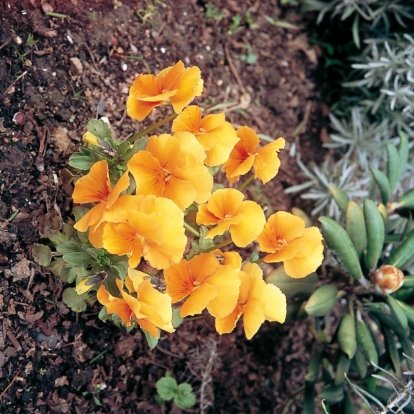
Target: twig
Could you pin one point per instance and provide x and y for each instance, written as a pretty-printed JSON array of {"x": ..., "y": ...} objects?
[
  {"x": 233, "y": 70},
  {"x": 12, "y": 381},
  {"x": 5, "y": 43},
  {"x": 16, "y": 80}
]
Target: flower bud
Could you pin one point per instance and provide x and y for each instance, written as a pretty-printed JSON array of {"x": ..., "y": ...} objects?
[
  {"x": 388, "y": 279},
  {"x": 90, "y": 139}
]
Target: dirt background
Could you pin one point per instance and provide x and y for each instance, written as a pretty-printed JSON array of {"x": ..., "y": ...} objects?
[{"x": 79, "y": 67}]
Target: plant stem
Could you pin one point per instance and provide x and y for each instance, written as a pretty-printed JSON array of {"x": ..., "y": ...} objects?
[
  {"x": 191, "y": 229},
  {"x": 219, "y": 246},
  {"x": 246, "y": 183},
  {"x": 145, "y": 131}
]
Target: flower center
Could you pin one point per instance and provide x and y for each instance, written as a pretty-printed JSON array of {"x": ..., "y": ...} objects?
[{"x": 280, "y": 243}]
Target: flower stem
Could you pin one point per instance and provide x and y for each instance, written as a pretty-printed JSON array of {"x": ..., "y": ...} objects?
[
  {"x": 246, "y": 183},
  {"x": 219, "y": 246},
  {"x": 145, "y": 131},
  {"x": 191, "y": 229}
]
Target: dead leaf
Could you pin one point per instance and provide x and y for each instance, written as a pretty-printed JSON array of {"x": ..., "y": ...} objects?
[{"x": 60, "y": 382}]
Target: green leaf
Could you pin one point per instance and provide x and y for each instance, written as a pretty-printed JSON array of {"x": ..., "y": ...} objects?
[
  {"x": 341, "y": 245},
  {"x": 366, "y": 343},
  {"x": 382, "y": 183},
  {"x": 347, "y": 336},
  {"x": 403, "y": 253},
  {"x": 361, "y": 363},
  {"x": 176, "y": 318},
  {"x": 57, "y": 267},
  {"x": 81, "y": 162},
  {"x": 74, "y": 301},
  {"x": 314, "y": 367},
  {"x": 332, "y": 394},
  {"x": 79, "y": 259},
  {"x": 342, "y": 369},
  {"x": 398, "y": 312},
  {"x": 166, "y": 388},
  {"x": 292, "y": 287},
  {"x": 184, "y": 397},
  {"x": 407, "y": 199},
  {"x": 321, "y": 301},
  {"x": 375, "y": 233},
  {"x": 403, "y": 150},
  {"x": 339, "y": 196},
  {"x": 41, "y": 254},
  {"x": 68, "y": 247},
  {"x": 152, "y": 340},
  {"x": 355, "y": 227},
  {"x": 391, "y": 346},
  {"x": 393, "y": 166},
  {"x": 99, "y": 128}
]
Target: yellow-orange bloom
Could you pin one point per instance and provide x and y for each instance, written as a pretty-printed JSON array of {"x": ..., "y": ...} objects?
[
  {"x": 247, "y": 154},
  {"x": 172, "y": 167},
  {"x": 143, "y": 303},
  {"x": 257, "y": 302},
  {"x": 226, "y": 210},
  {"x": 287, "y": 240},
  {"x": 204, "y": 283},
  {"x": 216, "y": 135},
  {"x": 174, "y": 84},
  {"x": 148, "y": 226},
  {"x": 96, "y": 187}
]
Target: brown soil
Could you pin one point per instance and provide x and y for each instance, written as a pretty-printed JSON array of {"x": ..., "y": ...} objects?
[{"x": 53, "y": 360}]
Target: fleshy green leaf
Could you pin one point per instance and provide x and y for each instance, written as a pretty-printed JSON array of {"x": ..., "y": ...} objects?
[
  {"x": 375, "y": 233},
  {"x": 292, "y": 287},
  {"x": 321, "y": 301}
]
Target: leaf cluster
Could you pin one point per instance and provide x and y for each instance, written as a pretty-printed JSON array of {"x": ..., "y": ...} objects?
[{"x": 376, "y": 326}]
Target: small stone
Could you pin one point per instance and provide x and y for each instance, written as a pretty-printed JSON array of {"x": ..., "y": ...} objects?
[{"x": 76, "y": 66}]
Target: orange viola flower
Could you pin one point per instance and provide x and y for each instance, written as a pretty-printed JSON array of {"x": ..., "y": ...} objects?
[
  {"x": 203, "y": 283},
  {"x": 287, "y": 240},
  {"x": 147, "y": 226},
  {"x": 96, "y": 187},
  {"x": 216, "y": 135},
  {"x": 143, "y": 303},
  {"x": 247, "y": 154},
  {"x": 172, "y": 167},
  {"x": 174, "y": 84},
  {"x": 226, "y": 210},
  {"x": 257, "y": 302}
]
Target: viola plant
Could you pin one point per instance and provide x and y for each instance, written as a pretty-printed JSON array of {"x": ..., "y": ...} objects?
[{"x": 156, "y": 239}]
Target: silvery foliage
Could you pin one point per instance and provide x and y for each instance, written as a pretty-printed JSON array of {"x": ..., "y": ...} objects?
[
  {"x": 385, "y": 95},
  {"x": 320, "y": 178},
  {"x": 371, "y": 11},
  {"x": 389, "y": 70}
]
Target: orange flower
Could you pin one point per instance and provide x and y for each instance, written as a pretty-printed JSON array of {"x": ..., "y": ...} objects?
[
  {"x": 226, "y": 210},
  {"x": 150, "y": 308},
  {"x": 204, "y": 283},
  {"x": 174, "y": 84},
  {"x": 148, "y": 226},
  {"x": 258, "y": 301},
  {"x": 246, "y": 155},
  {"x": 96, "y": 187},
  {"x": 217, "y": 136},
  {"x": 287, "y": 240},
  {"x": 172, "y": 167}
]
